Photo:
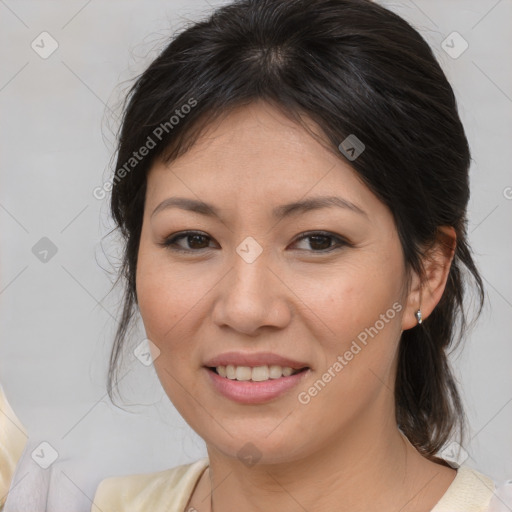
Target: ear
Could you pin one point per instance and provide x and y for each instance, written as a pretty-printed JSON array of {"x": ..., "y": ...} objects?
[{"x": 437, "y": 262}]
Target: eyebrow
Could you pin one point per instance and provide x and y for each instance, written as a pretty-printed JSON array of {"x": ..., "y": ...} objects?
[{"x": 279, "y": 212}]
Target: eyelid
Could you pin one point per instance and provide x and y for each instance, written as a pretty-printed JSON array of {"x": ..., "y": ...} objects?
[
  {"x": 338, "y": 238},
  {"x": 170, "y": 241}
]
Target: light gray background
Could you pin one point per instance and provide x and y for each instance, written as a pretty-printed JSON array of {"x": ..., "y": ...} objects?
[{"x": 57, "y": 321}]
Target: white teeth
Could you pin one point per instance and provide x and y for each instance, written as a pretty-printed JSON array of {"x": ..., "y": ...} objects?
[
  {"x": 230, "y": 372},
  {"x": 287, "y": 371},
  {"x": 243, "y": 373},
  {"x": 260, "y": 373},
  {"x": 275, "y": 372},
  {"x": 256, "y": 373}
]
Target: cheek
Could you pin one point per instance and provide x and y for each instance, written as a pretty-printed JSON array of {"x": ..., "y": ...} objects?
[
  {"x": 171, "y": 299},
  {"x": 163, "y": 307},
  {"x": 360, "y": 311},
  {"x": 356, "y": 299},
  {"x": 162, "y": 297}
]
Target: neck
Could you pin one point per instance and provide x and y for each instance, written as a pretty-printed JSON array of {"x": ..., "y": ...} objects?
[{"x": 370, "y": 467}]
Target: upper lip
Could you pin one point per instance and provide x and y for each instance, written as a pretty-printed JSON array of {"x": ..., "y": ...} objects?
[{"x": 254, "y": 359}]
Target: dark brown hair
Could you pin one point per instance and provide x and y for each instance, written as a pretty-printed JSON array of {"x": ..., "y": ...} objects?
[{"x": 353, "y": 67}]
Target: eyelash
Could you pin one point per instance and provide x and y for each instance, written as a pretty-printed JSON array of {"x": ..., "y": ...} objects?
[{"x": 170, "y": 242}]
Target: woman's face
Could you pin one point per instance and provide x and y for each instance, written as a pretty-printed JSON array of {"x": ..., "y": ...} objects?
[{"x": 258, "y": 286}]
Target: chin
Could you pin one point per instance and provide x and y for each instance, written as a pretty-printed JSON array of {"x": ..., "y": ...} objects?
[{"x": 255, "y": 446}]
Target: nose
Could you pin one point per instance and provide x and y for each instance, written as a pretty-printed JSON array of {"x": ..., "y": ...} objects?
[{"x": 252, "y": 297}]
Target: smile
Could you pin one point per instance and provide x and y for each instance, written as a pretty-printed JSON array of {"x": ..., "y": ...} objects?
[
  {"x": 256, "y": 373},
  {"x": 254, "y": 385}
]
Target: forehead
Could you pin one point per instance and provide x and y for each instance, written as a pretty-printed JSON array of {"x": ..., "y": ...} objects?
[{"x": 257, "y": 154}]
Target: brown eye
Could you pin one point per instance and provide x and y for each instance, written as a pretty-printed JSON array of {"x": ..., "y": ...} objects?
[
  {"x": 320, "y": 241},
  {"x": 194, "y": 241}
]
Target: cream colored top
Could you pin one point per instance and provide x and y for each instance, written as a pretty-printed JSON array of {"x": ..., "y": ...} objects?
[
  {"x": 13, "y": 438},
  {"x": 170, "y": 491}
]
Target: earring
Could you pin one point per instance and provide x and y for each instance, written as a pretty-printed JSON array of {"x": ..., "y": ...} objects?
[{"x": 418, "y": 316}]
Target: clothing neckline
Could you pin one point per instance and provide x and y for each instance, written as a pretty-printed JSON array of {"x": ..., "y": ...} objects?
[
  {"x": 469, "y": 491},
  {"x": 467, "y": 480}
]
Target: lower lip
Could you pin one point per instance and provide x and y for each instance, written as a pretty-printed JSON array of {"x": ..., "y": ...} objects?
[{"x": 250, "y": 392}]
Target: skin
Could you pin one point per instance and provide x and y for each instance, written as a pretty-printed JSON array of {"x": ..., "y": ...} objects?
[{"x": 342, "y": 451}]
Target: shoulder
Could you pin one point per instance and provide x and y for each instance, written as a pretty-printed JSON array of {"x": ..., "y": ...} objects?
[
  {"x": 149, "y": 491},
  {"x": 472, "y": 491},
  {"x": 13, "y": 439}
]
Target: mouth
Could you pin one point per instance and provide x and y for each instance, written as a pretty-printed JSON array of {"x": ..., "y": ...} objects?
[
  {"x": 254, "y": 385},
  {"x": 260, "y": 373}
]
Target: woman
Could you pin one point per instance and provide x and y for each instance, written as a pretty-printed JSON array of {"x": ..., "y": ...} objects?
[{"x": 292, "y": 185}]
